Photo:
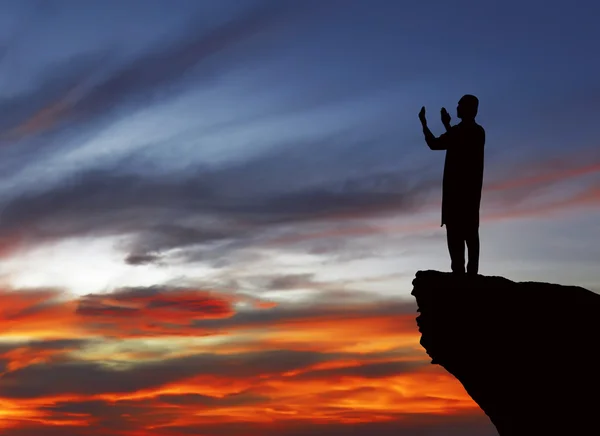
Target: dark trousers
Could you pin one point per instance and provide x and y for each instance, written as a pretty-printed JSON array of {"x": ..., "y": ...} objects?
[{"x": 457, "y": 235}]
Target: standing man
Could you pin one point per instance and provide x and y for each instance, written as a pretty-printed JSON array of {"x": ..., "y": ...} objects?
[{"x": 463, "y": 180}]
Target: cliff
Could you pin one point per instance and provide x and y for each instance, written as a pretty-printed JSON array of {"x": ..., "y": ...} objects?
[{"x": 525, "y": 352}]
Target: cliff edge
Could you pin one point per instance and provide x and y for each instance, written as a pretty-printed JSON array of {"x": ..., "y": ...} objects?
[{"x": 526, "y": 352}]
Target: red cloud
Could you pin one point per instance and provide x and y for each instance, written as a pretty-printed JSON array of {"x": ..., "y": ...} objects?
[
  {"x": 127, "y": 313},
  {"x": 152, "y": 311}
]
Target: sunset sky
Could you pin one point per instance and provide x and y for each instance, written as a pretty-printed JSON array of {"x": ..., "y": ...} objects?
[{"x": 211, "y": 212}]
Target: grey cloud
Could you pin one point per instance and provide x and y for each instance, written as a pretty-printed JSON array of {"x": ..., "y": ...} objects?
[
  {"x": 308, "y": 312},
  {"x": 289, "y": 282},
  {"x": 103, "y": 409},
  {"x": 92, "y": 378},
  {"x": 54, "y": 344},
  {"x": 324, "y": 292},
  {"x": 172, "y": 212},
  {"x": 142, "y": 259},
  {"x": 90, "y": 407}
]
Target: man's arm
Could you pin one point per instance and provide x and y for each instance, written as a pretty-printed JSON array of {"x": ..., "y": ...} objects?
[{"x": 434, "y": 143}]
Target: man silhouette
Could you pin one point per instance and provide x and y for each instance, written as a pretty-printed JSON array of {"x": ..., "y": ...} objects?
[{"x": 463, "y": 180}]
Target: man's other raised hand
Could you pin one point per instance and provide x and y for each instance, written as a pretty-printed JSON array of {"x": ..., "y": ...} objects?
[{"x": 422, "y": 116}]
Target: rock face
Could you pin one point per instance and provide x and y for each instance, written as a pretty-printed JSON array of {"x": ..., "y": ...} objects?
[{"x": 527, "y": 352}]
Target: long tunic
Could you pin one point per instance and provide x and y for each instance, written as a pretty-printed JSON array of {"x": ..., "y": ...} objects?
[{"x": 463, "y": 173}]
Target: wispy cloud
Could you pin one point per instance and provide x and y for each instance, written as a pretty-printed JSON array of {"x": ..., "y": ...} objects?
[
  {"x": 90, "y": 87},
  {"x": 161, "y": 213}
]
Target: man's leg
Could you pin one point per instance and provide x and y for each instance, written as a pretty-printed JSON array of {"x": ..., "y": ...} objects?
[
  {"x": 472, "y": 239},
  {"x": 456, "y": 248}
]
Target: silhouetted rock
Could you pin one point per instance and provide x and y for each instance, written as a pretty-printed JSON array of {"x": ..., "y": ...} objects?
[{"x": 525, "y": 352}]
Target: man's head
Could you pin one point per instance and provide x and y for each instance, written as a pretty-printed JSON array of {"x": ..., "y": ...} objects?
[{"x": 467, "y": 107}]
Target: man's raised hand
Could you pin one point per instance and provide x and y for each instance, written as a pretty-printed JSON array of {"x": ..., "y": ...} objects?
[
  {"x": 445, "y": 117},
  {"x": 422, "y": 116}
]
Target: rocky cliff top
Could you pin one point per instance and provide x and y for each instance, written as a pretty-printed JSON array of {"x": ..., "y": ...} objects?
[{"x": 526, "y": 352}]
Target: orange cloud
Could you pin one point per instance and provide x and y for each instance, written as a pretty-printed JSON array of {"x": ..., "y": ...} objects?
[
  {"x": 144, "y": 312},
  {"x": 346, "y": 365},
  {"x": 351, "y": 333},
  {"x": 37, "y": 314}
]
